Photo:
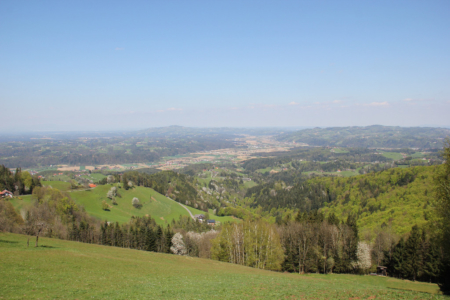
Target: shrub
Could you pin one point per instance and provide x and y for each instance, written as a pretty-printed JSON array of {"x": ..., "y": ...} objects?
[{"x": 105, "y": 205}]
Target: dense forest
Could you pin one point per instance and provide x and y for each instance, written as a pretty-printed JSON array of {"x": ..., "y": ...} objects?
[{"x": 398, "y": 196}]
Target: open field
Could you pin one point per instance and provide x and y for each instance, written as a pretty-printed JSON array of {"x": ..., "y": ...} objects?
[
  {"x": 340, "y": 150},
  {"x": 60, "y": 185},
  {"x": 392, "y": 155},
  {"x": 96, "y": 177},
  {"x": 72, "y": 270}
]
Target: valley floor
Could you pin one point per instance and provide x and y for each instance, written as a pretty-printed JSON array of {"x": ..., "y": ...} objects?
[{"x": 71, "y": 270}]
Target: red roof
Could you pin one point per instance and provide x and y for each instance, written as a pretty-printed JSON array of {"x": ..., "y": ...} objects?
[{"x": 92, "y": 185}]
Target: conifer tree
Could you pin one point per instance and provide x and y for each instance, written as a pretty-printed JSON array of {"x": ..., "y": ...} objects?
[
  {"x": 151, "y": 240},
  {"x": 351, "y": 245},
  {"x": 396, "y": 265},
  {"x": 159, "y": 239},
  {"x": 413, "y": 259},
  {"x": 168, "y": 240},
  {"x": 125, "y": 182},
  {"x": 432, "y": 263}
]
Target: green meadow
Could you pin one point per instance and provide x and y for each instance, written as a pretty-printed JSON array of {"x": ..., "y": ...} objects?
[
  {"x": 60, "y": 269},
  {"x": 161, "y": 208},
  {"x": 392, "y": 155},
  {"x": 60, "y": 185}
]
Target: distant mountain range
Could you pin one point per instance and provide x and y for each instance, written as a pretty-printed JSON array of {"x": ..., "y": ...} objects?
[{"x": 370, "y": 136}]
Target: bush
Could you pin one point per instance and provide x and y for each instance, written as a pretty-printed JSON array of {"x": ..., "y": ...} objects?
[{"x": 105, "y": 205}]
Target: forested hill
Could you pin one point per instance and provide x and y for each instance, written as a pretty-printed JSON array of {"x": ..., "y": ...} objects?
[
  {"x": 396, "y": 197},
  {"x": 371, "y": 136}
]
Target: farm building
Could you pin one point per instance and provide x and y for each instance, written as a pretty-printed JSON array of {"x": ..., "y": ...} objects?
[
  {"x": 211, "y": 222},
  {"x": 200, "y": 217},
  {"x": 92, "y": 185}
]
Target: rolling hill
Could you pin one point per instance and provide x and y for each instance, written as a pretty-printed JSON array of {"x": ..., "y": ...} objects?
[
  {"x": 181, "y": 131},
  {"x": 161, "y": 208},
  {"x": 370, "y": 136}
]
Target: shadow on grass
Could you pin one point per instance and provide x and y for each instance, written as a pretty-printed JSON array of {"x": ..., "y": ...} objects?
[
  {"x": 8, "y": 242},
  {"x": 46, "y": 246}
]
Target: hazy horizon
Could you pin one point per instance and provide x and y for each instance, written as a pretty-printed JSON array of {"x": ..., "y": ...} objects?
[{"x": 131, "y": 130}]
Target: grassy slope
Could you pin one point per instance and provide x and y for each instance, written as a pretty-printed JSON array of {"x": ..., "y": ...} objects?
[
  {"x": 22, "y": 201},
  {"x": 60, "y": 185},
  {"x": 62, "y": 269},
  {"x": 160, "y": 207},
  {"x": 212, "y": 216},
  {"x": 153, "y": 204}
]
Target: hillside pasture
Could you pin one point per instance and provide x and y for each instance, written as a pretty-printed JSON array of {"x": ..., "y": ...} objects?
[
  {"x": 162, "y": 209},
  {"x": 60, "y": 269},
  {"x": 60, "y": 185}
]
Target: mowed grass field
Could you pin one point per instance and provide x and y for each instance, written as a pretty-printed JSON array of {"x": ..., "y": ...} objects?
[{"x": 71, "y": 270}]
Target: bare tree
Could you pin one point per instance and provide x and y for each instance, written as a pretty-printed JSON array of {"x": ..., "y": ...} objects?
[{"x": 39, "y": 219}]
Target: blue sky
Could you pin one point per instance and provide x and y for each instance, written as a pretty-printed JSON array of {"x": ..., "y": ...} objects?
[{"x": 96, "y": 65}]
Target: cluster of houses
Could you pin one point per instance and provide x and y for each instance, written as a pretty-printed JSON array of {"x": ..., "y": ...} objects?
[
  {"x": 5, "y": 194},
  {"x": 201, "y": 219}
]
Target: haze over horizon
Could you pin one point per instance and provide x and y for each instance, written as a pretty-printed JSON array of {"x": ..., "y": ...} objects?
[{"x": 110, "y": 65}]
